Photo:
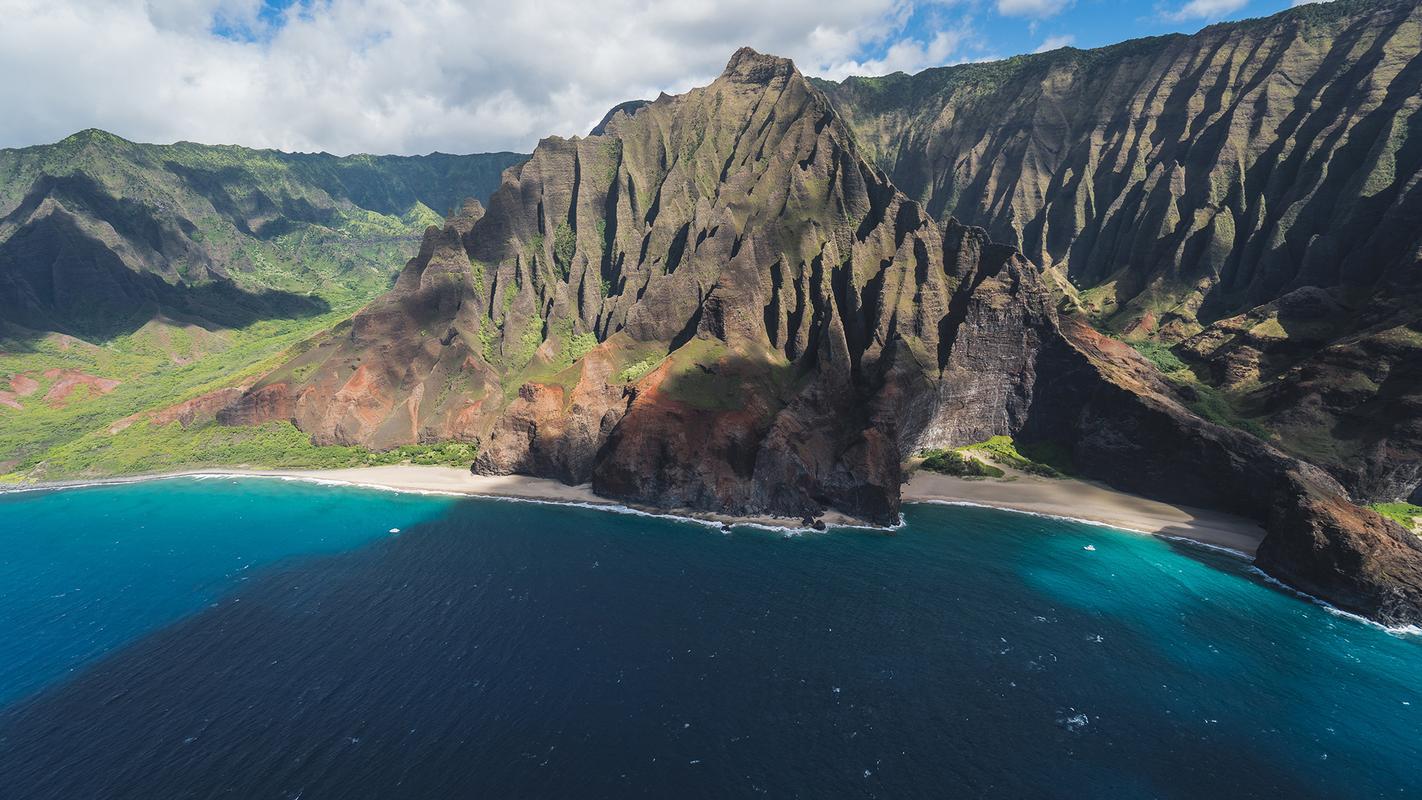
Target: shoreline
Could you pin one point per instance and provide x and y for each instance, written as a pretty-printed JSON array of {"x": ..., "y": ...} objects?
[
  {"x": 1068, "y": 499},
  {"x": 1090, "y": 502},
  {"x": 459, "y": 482}
]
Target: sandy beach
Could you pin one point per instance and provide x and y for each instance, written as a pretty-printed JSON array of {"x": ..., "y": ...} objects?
[
  {"x": 1021, "y": 492},
  {"x": 1065, "y": 497},
  {"x": 459, "y": 481},
  {"x": 1061, "y": 497}
]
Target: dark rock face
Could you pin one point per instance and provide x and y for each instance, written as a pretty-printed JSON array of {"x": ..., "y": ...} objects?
[
  {"x": 1182, "y": 186},
  {"x": 718, "y": 303},
  {"x": 1356, "y": 559}
]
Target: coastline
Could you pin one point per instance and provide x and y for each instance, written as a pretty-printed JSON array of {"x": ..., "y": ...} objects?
[
  {"x": 459, "y": 482},
  {"x": 1063, "y": 498},
  {"x": 1084, "y": 501}
]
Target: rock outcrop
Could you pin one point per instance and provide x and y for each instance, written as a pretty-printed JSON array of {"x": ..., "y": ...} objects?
[{"x": 715, "y": 301}]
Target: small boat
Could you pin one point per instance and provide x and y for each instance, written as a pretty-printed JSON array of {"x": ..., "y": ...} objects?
[{"x": 1090, "y": 547}]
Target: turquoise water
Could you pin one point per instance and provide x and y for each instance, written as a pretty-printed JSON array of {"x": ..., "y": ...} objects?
[
  {"x": 86, "y": 570},
  {"x": 270, "y": 639}
]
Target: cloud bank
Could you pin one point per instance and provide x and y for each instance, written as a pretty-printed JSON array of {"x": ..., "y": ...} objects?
[{"x": 413, "y": 76}]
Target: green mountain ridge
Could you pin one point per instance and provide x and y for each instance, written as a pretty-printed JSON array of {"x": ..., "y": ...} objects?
[
  {"x": 133, "y": 275},
  {"x": 89, "y": 223}
]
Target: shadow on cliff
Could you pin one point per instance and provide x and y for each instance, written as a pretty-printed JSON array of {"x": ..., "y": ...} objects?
[{"x": 55, "y": 277}]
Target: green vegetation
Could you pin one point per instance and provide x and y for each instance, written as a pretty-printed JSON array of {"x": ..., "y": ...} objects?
[
  {"x": 698, "y": 377},
  {"x": 1402, "y": 513},
  {"x": 564, "y": 245},
  {"x": 1055, "y": 455},
  {"x": 612, "y": 151},
  {"x": 1215, "y": 406},
  {"x": 150, "y": 374},
  {"x": 968, "y": 461},
  {"x": 476, "y": 273},
  {"x": 146, "y": 448},
  {"x": 341, "y": 228},
  {"x": 452, "y": 454},
  {"x": 1160, "y": 355},
  {"x": 1203, "y": 399},
  {"x": 487, "y": 344},
  {"x": 1004, "y": 451},
  {"x": 527, "y": 343},
  {"x": 707, "y": 374},
  {"x": 576, "y": 346},
  {"x": 952, "y": 462},
  {"x": 635, "y": 372}
]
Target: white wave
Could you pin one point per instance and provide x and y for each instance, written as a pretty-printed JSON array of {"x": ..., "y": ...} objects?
[
  {"x": 616, "y": 508},
  {"x": 1219, "y": 548},
  {"x": 1395, "y": 630}
]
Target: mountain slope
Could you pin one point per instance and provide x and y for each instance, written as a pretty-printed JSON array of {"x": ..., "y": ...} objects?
[
  {"x": 716, "y": 302},
  {"x": 98, "y": 235},
  {"x": 1252, "y": 190},
  {"x": 134, "y": 276}
]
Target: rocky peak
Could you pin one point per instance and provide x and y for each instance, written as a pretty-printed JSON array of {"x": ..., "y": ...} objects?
[
  {"x": 748, "y": 66},
  {"x": 462, "y": 219}
]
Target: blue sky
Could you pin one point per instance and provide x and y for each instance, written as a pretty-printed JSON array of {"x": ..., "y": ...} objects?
[
  {"x": 412, "y": 76},
  {"x": 1001, "y": 29}
]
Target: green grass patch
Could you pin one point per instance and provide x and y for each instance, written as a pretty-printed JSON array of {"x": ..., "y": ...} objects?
[
  {"x": 1004, "y": 451},
  {"x": 952, "y": 462},
  {"x": 698, "y": 378},
  {"x": 1160, "y": 355},
  {"x": 147, "y": 448},
  {"x": 1401, "y": 513},
  {"x": 637, "y": 371},
  {"x": 148, "y": 377},
  {"x": 1214, "y": 405}
]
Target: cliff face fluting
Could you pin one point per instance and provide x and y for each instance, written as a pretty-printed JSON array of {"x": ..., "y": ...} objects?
[
  {"x": 716, "y": 302},
  {"x": 1184, "y": 187}
]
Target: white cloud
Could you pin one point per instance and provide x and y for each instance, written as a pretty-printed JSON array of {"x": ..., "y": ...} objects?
[
  {"x": 1055, "y": 42},
  {"x": 1037, "y": 9},
  {"x": 905, "y": 55},
  {"x": 1206, "y": 9},
  {"x": 407, "y": 76}
]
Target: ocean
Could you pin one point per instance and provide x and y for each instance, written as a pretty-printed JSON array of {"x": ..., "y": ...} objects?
[{"x": 273, "y": 639}]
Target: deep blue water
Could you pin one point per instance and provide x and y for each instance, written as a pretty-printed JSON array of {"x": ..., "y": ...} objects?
[{"x": 263, "y": 639}]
